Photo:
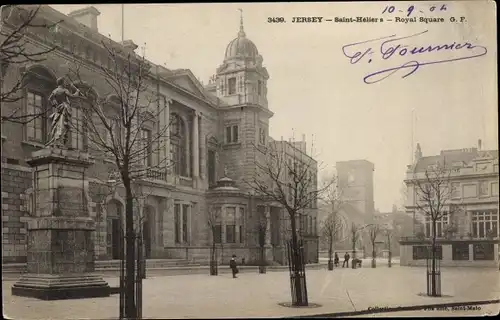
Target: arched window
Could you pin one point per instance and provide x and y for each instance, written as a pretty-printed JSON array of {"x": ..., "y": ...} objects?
[
  {"x": 178, "y": 142},
  {"x": 81, "y": 113},
  {"x": 38, "y": 84}
]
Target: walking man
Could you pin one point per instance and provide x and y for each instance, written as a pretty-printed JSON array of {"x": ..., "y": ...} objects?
[
  {"x": 346, "y": 260},
  {"x": 336, "y": 260},
  {"x": 233, "y": 266}
]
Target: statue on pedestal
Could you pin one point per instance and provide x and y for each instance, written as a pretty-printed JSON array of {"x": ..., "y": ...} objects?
[{"x": 61, "y": 117}]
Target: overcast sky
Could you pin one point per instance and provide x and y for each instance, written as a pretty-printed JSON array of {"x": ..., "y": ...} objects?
[{"x": 314, "y": 90}]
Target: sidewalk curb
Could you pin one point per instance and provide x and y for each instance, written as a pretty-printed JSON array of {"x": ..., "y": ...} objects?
[{"x": 397, "y": 309}]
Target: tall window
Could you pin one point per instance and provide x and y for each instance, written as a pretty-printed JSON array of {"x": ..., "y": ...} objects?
[
  {"x": 232, "y": 134},
  {"x": 262, "y": 136},
  {"x": 78, "y": 129},
  {"x": 178, "y": 140},
  {"x": 35, "y": 129},
  {"x": 485, "y": 223},
  {"x": 116, "y": 129},
  {"x": 240, "y": 220},
  {"x": 211, "y": 164},
  {"x": 146, "y": 147},
  {"x": 177, "y": 222},
  {"x": 185, "y": 208},
  {"x": 440, "y": 223},
  {"x": 259, "y": 87},
  {"x": 231, "y": 83},
  {"x": 231, "y": 222},
  {"x": 230, "y": 233},
  {"x": 217, "y": 230}
]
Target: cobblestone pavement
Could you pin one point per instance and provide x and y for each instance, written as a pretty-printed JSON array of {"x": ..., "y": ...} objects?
[{"x": 258, "y": 295}]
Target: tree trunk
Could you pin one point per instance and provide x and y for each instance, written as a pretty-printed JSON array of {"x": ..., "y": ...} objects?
[
  {"x": 353, "y": 265},
  {"x": 330, "y": 253},
  {"x": 130, "y": 303},
  {"x": 374, "y": 253},
  {"x": 213, "y": 259},
  {"x": 262, "y": 267},
  {"x": 330, "y": 249},
  {"x": 433, "y": 257},
  {"x": 296, "y": 265},
  {"x": 389, "y": 262}
]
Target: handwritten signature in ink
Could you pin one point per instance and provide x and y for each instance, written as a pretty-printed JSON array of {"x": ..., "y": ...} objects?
[{"x": 392, "y": 46}]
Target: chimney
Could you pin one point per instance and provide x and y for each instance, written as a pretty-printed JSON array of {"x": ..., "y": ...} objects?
[
  {"x": 479, "y": 145},
  {"x": 86, "y": 16},
  {"x": 303, "y": 137},
  {"x": 129, "y": 45}
]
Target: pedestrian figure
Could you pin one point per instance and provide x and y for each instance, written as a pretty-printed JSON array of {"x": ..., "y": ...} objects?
[
  {"x": 346, "y": 260},
  {"x": 233, "y": 266},
  {"x": 336, "y": 260}
]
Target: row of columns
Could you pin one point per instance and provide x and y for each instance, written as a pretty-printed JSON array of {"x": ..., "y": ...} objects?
[{"x": 195, "y": 141}]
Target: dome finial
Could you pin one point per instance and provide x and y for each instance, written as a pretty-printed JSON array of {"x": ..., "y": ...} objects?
[{"x": 242, "y": 32}]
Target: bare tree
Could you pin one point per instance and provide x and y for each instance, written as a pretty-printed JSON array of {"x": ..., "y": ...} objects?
[
  {"x": 214, "y": 220},
  {"x": 373, "y": 231},
  {"x": 18, "y": 24},
  {"x": 355, "y": 230},
  {"x": 331, "y": 228},
  {"x": 125, "y": 128},
  {"x": 290, "y": 180},
  {"x": 433, "y": 199}
]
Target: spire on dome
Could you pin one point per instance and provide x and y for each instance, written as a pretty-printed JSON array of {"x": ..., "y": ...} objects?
[{"x": 242, "y": 32}]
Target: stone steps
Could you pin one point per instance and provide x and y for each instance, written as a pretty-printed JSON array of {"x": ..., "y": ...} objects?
[
  {"x": 167, "y": 268},
  {"x": 112, "y": 265}
]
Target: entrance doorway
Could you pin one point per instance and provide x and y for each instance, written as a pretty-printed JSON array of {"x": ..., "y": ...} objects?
[
  {"x": 116, "y": 239},
  {"x": 147, "y": 231},
  {"x": 147, "y": 238},
  {"x": 115, "y": 236}
]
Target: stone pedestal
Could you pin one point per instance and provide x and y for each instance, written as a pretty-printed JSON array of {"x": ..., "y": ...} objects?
[{"x": 60, "y": 251}]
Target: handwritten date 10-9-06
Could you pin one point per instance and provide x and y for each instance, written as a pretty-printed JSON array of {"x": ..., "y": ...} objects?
[
  {"x": 390, "y": 48},
  {"x": 412, "y": 8}
]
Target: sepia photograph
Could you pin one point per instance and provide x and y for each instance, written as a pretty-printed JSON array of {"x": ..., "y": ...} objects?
[{"x": 249, "y": 160}]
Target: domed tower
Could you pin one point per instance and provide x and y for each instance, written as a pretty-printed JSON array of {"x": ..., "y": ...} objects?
[
  {"x": 241, "y": 78},
  {"x": 241, "y": 83}
]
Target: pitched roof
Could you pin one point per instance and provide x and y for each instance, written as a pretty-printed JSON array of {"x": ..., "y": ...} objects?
[{"x": 449, "y": 157}]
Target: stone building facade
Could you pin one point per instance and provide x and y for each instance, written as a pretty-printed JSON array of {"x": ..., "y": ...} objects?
[
  {"x": 469, "y": 236},
  {"x": 214, "y": 135}
]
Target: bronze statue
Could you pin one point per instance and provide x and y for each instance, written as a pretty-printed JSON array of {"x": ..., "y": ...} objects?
[{"x": 61, "y": 117}]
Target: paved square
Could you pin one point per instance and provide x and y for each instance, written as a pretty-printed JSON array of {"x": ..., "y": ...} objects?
[{"x": 258, "y": 295}]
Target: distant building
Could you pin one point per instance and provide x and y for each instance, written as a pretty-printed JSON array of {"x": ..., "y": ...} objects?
[
  {"x": 355, "y": 184},
  {"x": 469, "y": 236},
  {"x": 355, "y": 179}
]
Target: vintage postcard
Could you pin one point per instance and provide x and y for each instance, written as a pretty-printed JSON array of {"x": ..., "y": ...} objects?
[{"x": 249, "y": 160}]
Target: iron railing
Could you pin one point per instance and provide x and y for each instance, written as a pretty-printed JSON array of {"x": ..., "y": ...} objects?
[
  {"x": 296, "y": 267},
  {"x": 433, "y": 274}
]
